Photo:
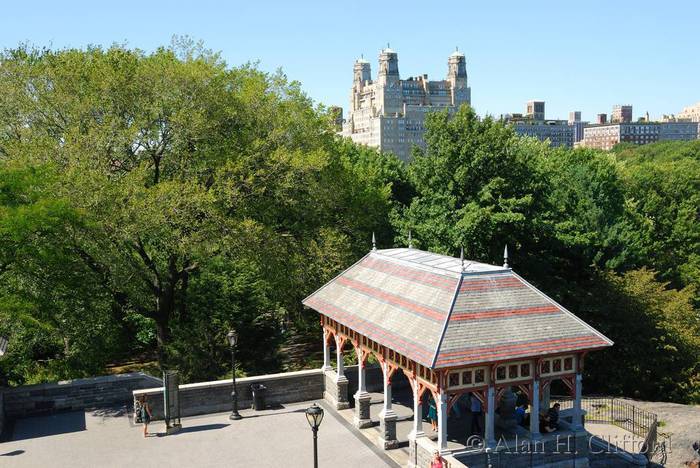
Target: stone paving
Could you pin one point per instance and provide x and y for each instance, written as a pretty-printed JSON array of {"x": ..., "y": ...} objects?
[{"x": 271, "y": 438}]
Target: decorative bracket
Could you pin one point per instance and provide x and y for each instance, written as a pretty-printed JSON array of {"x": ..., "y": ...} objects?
[
  {"x": 482, "y": 397},
  {"x": 570, "y": 382},
  {"x": 362, "y": 353},
  {"x": 527, "y": 389},
  {"x": 452, "y": 400},
  {"x": 499, "y": 392},
  {"x": 340, "y": 342},
  {"x": 328, "y": 334}
]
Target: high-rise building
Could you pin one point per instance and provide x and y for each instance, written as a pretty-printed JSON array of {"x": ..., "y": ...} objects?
[
  {"x": 577, "y": 125},
  {"x": 557, "y": 132},
  {"x": 601, "y": 119},
  {"x": 535, "y": 110},
  {"x": 691, "y": 113},
  {"x": 534, "y": 124},
  {"x": 388, "y": 113},
  {"x": 639, "y": 133},
  {"x": 621, "y": 114}
]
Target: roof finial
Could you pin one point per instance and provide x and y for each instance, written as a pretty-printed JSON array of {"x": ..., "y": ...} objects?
[
  {"x": 374, "y": 243},
  {"x": 410, "y": 240},
  {"x": 456, "y": 48},
  {"x": 388, "y": 46},
  {"x": 461, "y": 258},
  {"x": 505, "y": 257}
]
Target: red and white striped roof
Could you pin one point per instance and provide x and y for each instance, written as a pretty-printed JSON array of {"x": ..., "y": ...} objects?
[{"x": 428, "y": 308}]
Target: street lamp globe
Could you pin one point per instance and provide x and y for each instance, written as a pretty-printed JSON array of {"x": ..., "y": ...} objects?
[
  {"x": 232, "y": 338},
  {"x": 314, "y": 415}
]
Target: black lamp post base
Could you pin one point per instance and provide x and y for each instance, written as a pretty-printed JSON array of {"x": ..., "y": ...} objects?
[{"x": 235, "y": 416}]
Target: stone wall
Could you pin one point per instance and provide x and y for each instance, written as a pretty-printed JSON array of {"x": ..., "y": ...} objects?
[
  {"x": 604, "y": 455},
  {"x": 215, "y": 397},
  {"x": 559, "y": 450},
  {"x": 71, "y": 395}
]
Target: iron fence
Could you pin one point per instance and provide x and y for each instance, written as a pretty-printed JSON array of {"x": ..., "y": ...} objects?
[{"x": 619, "y": 413}]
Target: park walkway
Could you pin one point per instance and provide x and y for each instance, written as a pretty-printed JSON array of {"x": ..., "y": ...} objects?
[{"x": 271, "y": 438}]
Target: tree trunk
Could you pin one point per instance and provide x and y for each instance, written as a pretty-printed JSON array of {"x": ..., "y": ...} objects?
[{"x": 162, "y": 339}]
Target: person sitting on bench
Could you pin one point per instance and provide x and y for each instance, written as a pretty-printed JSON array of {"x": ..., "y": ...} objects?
[{"x": 550, "y": 421}]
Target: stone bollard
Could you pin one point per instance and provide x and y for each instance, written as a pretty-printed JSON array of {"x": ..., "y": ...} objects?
[
  {"x": 387, "y": 430},
  {"x": 362, "y": 416}
]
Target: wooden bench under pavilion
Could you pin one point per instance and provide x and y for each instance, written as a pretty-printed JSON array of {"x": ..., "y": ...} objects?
[{"x": 453, "y": 327}]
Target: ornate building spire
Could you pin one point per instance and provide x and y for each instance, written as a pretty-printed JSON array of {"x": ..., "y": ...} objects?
[
  {"x": 505, "y": 257},
  {"x": 374, "y": 243}
]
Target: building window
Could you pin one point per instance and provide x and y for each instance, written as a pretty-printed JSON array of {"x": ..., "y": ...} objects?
[
  {"x": 467, "y": 377},
  {"x": 568, "y": 364},
  {"x": 545, "y": 367},
  {"x": 556, "y": 365},
  {"x": 500, "y": 372},
  {"x": 524, "y": 370},
  {"x": 513, "y": 372},
  {"x": 454, "y": 379},
  {"x": 479, "y": 376}
]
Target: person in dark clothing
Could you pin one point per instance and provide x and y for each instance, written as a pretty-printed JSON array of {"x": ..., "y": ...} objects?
[
  {"x": 551, "y": 419},
  {"x": 477, "y": 412}
]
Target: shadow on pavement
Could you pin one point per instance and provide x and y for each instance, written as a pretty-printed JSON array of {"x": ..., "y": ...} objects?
[
  {"x": 109, "y": 412},
  {"x": 12, "y": 454},
  {"x": 203, "y": 427},
  {"x": 45, "y": 426},
  {"x": 249, "y": 416}
]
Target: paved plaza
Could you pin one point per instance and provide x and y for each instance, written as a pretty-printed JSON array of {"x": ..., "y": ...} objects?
[{"x": 271, "y": 438}]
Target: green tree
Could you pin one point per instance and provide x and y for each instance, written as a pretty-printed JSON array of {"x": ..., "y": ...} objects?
[
  {"x": 178, "y": 167},
  {"x": 477, "y": 185}
]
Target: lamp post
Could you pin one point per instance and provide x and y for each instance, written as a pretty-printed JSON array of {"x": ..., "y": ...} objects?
[
  {"x": 232, "y": 338},
  {"x": 314, "y": 415}
]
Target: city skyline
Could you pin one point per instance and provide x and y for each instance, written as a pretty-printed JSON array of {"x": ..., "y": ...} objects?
[{"x": 574, "y": 58}]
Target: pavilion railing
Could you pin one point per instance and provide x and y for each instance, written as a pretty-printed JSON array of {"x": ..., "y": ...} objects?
[{"x": 619, "y": 413}]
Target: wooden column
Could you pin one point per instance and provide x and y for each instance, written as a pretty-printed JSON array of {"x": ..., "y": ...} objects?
[
  {"x": 362, "y": 398},
  {"x": 326, "y": 351},
  {"x": 417, "y": 430},
  {"x": 490, "y": 430},
  {"x": 441, "y": 403},
  {"x": 387, "y": 417},
  {"x": 535, "y": 410},
  {"x": 339, "y": 359},
  {"x": 576, "y": 422}
]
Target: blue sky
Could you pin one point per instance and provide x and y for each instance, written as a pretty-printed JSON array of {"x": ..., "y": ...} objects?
[{"x": 575, "y": 55}]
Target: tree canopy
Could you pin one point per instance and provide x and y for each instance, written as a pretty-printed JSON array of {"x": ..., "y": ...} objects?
[{"x": 151, "y": 201}]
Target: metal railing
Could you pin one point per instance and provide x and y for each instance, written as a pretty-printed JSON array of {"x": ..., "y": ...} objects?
[{"x": 619, "y": 413}]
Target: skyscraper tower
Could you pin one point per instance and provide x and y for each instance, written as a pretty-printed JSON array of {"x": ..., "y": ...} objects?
[
  {"x": 389, "y": 113},
  {"x": 457, "y": 77}
]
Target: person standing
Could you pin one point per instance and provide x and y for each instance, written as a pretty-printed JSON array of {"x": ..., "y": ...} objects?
[
  {"x": 437, "y": 461},
  {"x": 146, "y": 415},
  {"x": 432, "y": 413},
  {"x": 477, "y": 412}
]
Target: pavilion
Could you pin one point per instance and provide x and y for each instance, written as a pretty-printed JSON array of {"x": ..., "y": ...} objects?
[{"x": 452, "y": 327}]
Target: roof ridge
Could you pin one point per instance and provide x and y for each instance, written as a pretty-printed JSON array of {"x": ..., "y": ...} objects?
[
  {"x": 447, "y": 321},
  {"x": 454, "y": 273}
]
